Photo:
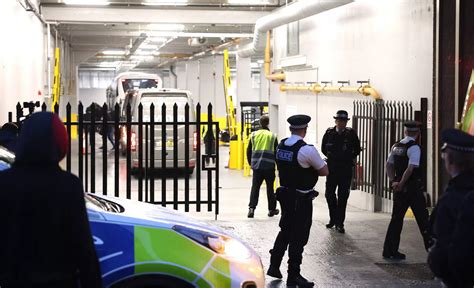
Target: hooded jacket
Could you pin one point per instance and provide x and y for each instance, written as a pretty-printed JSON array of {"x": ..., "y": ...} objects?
[{"x": 46, "y": 239}]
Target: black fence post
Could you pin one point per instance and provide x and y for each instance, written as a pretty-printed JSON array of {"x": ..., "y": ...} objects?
[
  {"x": 198, "y": 157},
  {"x": 140, "y": 152},
  {"x": 175, "y": 156},
  {"x": 10, "y": 117},
  {"x": 164, "y": 154},
  {"x": 56, "y": 108},
  {"x": 68, "y": 127},
  {"x": 216, "y": 175},
  {"x": 92, "y": 139},
  {"x": 19, "y": 114},
  {"x": 186, "y": 158},
  {"x": 129, "y": 151},
  {"x": 117, "y": 149},
  {"x": 80, "y": 136},
  {"x": 105, "y": 135},
  {"x": 209, "y": 172},
  {"x": 152, "y": 152},
  {"x": 43, "y": 107}
]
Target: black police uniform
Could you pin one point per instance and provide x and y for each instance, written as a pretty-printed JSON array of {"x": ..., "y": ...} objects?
[
  {"x": 461, "y": 250},
  {"x": 297, "y": 208},
  {"x": 410, "y": 196},
  {"x": 341, "y": 149},
  {"x": 451, "y": 254}
]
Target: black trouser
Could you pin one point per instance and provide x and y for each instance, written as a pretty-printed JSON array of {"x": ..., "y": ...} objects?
[
  {"x": 258, "y": 176},
  {"x": 413, "y": 198},
  {"x": 339, "y": 177},
  {"x": 295, "y": 224}
]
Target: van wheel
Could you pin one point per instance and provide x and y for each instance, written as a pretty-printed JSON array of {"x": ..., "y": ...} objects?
[{"x": 152, "y": 281}]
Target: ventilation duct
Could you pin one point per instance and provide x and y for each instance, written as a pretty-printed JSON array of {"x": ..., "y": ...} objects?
[{"x": 291, "y": 13}]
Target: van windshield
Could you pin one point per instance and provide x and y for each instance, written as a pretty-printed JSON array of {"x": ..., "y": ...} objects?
[
  {"x": 169, "y": 99},
  {"x": 134, "y": 84}
]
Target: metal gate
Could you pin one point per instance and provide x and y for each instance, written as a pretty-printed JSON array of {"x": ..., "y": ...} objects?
[
  {"x": 379, "y": 125},
  {"x": 143, "y": 138}
]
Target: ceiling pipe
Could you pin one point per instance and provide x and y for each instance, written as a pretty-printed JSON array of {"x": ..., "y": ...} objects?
[
  {"x": 316, "y": 88},
  {"x": 291, "y": 13},
  {"x": 276, "y": 76}
]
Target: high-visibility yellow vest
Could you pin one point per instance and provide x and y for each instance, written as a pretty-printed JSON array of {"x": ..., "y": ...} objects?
[{"x": 263, "y": 149}]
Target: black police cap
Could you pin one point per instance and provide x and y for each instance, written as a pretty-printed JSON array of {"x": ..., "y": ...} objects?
[
  {"x": 299, "y": 121},
  {"x": 342, "y": 115},
  {"x": 412, "y": 126},
  {"x": 457, "y": 140}
]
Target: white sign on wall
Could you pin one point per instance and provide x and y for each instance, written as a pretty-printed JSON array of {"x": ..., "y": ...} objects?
[{"x": 429, "y": 119}]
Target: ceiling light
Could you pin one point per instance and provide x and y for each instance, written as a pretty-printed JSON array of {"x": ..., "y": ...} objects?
[
  {"x": 166, "y": 27},
  {"x": 142, "y": 57},
  {"x": 157, "y": 39},
  {"x": 86, "y": 2},
  {"x": 148, "y": 46},
  {"x": 165, "y": 2},
  {"x": 143, "y": 53},
  {"x": 260, "y": 61},
  {"x": 113, "y": 52}
]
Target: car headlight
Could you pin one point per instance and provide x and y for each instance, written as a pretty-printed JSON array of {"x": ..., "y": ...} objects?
[{"x": 221, "y": 244}]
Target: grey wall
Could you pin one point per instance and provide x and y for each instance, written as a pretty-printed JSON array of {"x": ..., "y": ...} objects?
[
  {"x": 203, "y": 78},
  {"x": 389, "y": 42}
]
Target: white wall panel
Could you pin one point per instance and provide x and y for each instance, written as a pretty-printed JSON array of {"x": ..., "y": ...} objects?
[
  {"x": 389, "y": 42},
  {"x": 21, "y": 57}
]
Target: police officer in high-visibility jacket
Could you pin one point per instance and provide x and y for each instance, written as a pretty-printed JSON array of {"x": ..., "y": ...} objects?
[
  {"x": 299, "y": 165},
  {"x": 261, "y": 157},
  {"x": 403, "y": 170}
]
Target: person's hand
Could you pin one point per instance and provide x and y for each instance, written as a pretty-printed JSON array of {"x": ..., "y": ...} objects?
[{"x": 397, "y": 186}]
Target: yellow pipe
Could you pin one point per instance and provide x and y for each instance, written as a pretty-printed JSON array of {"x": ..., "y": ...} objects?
[
  {"x": 276, "y": 76},
  {"x": 365, "y": 90}
]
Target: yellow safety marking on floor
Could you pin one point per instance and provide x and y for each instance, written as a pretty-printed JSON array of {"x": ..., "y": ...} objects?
[{"x": 409, "y": 213}]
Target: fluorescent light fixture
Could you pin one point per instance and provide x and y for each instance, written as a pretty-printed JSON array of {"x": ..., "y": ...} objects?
[
  {"x": 87, "y": 2},
  {"x": 114, "y": 52},
  {"x": 148, "y": 46},
  {"x": 157, "y": 39},
  {"x": 142, "y": 57},
  {"x": 260, "y": 61},
  {"x": 166, "y": 27},
  {"x": 156, "y": 53},
  {"x": 143, "y": 52},
  {"x": 165, "y": 2}
]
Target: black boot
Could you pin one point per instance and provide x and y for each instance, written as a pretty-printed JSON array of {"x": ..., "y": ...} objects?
[
  {"x": 251, "y": 212},
  {"x": 274, "y": 272},
  {"x": 298, "y": 281}
]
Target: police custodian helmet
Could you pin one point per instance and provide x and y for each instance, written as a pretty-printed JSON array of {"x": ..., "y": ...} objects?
[
  {"x": 457, "y": 140},
  {"x": 342, "y": 115},
  {"x": 412, "y": 126},
  {"x": 299, "y": 121}
]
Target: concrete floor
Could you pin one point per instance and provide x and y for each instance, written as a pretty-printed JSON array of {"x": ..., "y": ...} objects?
[{"x": 330, "y": 259}]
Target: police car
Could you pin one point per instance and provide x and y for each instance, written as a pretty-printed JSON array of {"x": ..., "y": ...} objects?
[{"x": 142, "y": 245}]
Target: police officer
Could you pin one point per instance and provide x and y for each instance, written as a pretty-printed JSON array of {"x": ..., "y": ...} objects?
[
  {"x": 458, "y": 155},
  {"x": 341, "y": 147},
  {"x": 261, "y": 157},
  {"x": 405, "y": 178},
  {"x": 299, "y": 166}
]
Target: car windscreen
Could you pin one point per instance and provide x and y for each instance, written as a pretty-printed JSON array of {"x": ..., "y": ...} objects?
[
  {"x": 134, "y": 84},
  {"x": 96, "y": 203},
  {"x": 169, "y": 99},
  {"x": 4, "y": 165},
  {"x": 6, "y": 156}
]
